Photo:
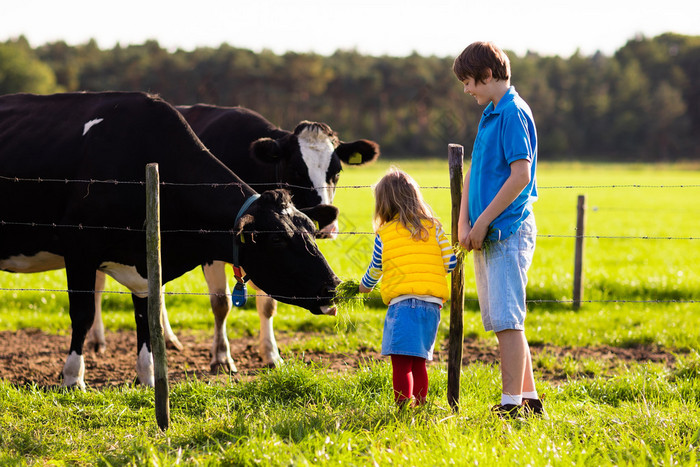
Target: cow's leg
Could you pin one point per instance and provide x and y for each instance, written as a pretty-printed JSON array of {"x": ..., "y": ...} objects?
[
  {"x": 96, "y": 335},
  {"x": 80, "y": 280},
  {"x": 170, "y": 336},
  {"x": 220, "y": 298},
  {"x": 267, "y": 309},
  {"x": 144, "y": 358}
]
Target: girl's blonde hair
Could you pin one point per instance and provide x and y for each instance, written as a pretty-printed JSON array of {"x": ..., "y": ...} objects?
[{"x": 397, "y": 197}]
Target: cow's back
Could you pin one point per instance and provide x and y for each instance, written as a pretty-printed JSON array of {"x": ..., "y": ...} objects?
[
  {"x": 38, "y": 144},
  {"x": 39, "y": 136},
  {"x": 228, "y": 133},
  {"x": 57, "y": 152},
  {"x": 45, "y": 139}
]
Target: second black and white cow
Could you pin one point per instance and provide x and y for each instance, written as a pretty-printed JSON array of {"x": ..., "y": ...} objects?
[
  {"x": 72, "y": 168},
  {"x": 307, "y": 162}
]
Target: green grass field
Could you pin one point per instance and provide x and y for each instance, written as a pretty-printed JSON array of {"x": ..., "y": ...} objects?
[{"x": 642, "y": 288}]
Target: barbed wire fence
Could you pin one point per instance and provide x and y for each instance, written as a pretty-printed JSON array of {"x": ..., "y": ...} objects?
[{"x": 362, "y": 242}]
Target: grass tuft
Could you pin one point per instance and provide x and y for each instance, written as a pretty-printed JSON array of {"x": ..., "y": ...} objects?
[
  {"x": 349, "y": 301},
  {"x": 346, "y": 293},
  {"x": 602, "y": 411}
]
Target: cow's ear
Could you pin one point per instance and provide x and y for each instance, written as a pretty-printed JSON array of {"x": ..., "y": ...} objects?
[
  {"x": 245, "y": 220},
  {"x": 322, "y": 214},
  {"x": 266, "y": 150},
  {"x": 358, "y": 152}
]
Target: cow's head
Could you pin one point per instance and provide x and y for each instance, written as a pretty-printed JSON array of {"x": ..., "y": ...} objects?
[
  {"x": 309, "y": 160},
  {"x": 278, "y": 252}
]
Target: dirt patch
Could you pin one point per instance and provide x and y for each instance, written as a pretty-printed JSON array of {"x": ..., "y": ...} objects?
[{"x": 31, "y": 356}]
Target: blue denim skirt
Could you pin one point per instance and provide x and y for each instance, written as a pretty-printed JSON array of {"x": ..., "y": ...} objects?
[{"x": 410, "y": 328}]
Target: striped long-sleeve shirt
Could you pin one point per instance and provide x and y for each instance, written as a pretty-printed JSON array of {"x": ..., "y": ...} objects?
[{"x": 374, "y": 270}]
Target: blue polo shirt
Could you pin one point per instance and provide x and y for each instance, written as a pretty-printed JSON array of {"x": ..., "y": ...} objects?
[{"x": 506, "y": 134}]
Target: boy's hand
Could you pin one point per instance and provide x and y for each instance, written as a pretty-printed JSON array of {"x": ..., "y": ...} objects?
[
  {"x": 476, "y": 237},
  {"x": 364, "y": 289},
  {"x": 463, "y": 235}
]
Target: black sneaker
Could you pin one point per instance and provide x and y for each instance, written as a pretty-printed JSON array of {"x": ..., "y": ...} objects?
[
  {"x": 507, "y": 410},
  {"x": 533, "y": 407}
]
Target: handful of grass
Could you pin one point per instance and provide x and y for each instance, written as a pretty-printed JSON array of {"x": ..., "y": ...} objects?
[
  {"x": 346, "y": 293},
  {"x": 462, "y": 252},
  {"x": 347, "y": 297}
]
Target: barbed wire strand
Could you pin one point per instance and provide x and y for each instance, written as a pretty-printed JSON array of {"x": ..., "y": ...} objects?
[
  {"x": 208, "y": 231},
  {"x": 283, "y": 297},
  {"x": 286, "y": 185},
  {"x": 289, "y": 185}
]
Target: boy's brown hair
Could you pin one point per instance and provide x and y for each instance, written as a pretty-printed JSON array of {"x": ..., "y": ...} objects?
[{"x": 479, "y": 57}]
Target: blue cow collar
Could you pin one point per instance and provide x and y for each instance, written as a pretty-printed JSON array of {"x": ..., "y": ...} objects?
[{"x": 238, "y": 296}]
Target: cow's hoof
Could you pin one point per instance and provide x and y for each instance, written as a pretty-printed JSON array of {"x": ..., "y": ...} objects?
[
  {"x": 79, "y": 386},
  {"x": 149, "y": 382},
  {"x": 97, "y": 347},
  {"x": 223, "y": 368},
  {"x": 173, "y": 343},
  {"x": 273, "y": 362}
]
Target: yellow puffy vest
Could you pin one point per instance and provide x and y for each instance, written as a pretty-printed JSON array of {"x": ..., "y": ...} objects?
[{"x": 411, "y": 267}]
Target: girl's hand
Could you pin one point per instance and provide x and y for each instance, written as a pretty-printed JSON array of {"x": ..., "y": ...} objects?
[{"x": 364, "y": 289}]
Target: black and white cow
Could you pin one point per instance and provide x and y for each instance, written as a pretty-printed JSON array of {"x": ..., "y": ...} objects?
[
  {"x": 306, "y": 161},
  {"x": 56, "y": 210}
]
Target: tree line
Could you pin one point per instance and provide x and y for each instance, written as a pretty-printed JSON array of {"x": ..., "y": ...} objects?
[{"x": 641, "y": 103}]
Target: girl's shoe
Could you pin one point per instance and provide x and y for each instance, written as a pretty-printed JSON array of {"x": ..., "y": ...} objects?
[
  {"x": 420, "y": 402},
  {"x": 403, "y": 404}
]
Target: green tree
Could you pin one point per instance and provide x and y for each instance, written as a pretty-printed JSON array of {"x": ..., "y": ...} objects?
[
  {"x": 669, "y": 121},
  {"x": 639, "y": 103},
  {"x": 21, "y": 71}
]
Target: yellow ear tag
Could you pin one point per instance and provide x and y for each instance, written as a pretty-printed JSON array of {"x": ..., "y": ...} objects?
[
  {"x": 242, "y": 238},
  {"x": 316, "y": 224},
  {"x": 355, "y": 158}
]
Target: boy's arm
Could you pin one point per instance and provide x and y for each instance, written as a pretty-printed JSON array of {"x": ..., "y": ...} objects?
[
  {"x": 463, "y": 226},
  {"x": 513, "y": 186}
]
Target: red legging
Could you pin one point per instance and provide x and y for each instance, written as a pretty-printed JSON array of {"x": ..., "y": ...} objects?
[{"x": 410, "y": 378}]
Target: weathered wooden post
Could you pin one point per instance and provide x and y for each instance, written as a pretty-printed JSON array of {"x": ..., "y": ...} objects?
[
  {"x": 155, "y": 296},
  {"x": 578, "y": 258},
  {"x": 454, "y": 360}
]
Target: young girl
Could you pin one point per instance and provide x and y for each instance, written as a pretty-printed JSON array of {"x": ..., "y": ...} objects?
[{"x": 412, "y": 256}]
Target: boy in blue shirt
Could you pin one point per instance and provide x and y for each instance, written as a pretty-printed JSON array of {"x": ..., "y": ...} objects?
[{"x": 496, "y": 220}]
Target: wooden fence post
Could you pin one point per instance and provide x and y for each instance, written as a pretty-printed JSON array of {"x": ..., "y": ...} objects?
[
  {"x": 155, "y": 296},
  {"x": 578, "y": 258},
  {"x": 454, "y": 361}
]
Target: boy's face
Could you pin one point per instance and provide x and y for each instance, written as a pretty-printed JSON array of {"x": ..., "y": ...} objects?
[{"x": 477, "y": 90}]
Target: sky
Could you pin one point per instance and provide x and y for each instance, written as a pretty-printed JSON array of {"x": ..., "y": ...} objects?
[{"x": 372, "y": 27}]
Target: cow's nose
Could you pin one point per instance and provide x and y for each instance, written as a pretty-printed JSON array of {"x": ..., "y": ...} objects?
[{"x": 329, "y": 231}]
